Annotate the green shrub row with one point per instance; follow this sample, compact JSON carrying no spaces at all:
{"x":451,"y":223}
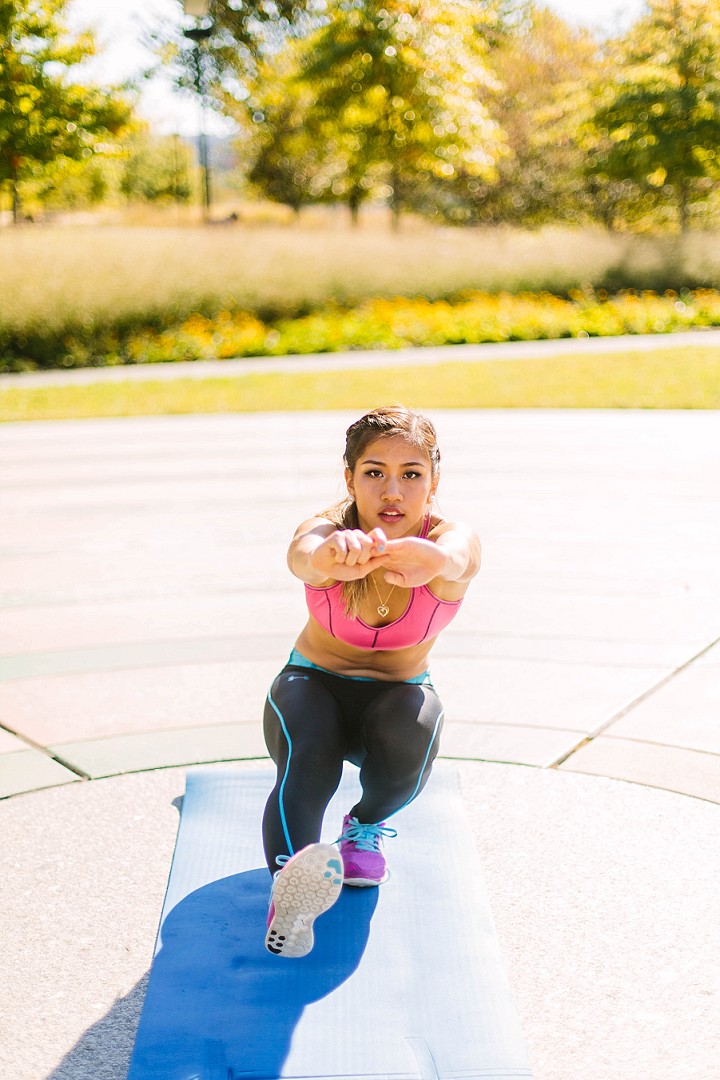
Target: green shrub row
{"x":395,"y":323}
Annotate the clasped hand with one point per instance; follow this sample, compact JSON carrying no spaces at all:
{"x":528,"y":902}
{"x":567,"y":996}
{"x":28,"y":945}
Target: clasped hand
{"x":349,"y":554}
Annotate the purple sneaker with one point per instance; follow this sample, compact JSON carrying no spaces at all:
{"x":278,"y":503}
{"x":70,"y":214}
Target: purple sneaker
{"x":308,"y":885}
{"x":361,"y":849}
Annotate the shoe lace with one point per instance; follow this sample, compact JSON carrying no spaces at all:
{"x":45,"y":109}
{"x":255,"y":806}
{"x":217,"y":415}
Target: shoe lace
{"x":280,"y":861}
{"x":366,"y":837}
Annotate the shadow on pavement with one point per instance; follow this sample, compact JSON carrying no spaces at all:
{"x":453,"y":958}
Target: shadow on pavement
{"x":217,"y":1003}
{"x":103,"y":1052}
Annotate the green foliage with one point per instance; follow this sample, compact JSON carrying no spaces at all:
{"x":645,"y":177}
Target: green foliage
{"x":233,"y":43}
{"x":280,"y":150}
{"x":73,"y":296}
{"x":399,"y":98}
{"x":549,"y":75}
{"x":492,"y":111}
{"x":403,"y":322}
{"x":156,"y":169}
{"x":67,"y":184}
{"x":381,"y":100}
{"x":395,"y":323}
{"x":44,"y":116}
{"x":658,"y":125}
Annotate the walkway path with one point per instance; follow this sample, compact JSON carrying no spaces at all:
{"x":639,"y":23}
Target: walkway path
{"x":146,"y":607}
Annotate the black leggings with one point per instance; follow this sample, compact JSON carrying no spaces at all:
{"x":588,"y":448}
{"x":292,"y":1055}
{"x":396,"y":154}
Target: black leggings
{"x":314,"y":721}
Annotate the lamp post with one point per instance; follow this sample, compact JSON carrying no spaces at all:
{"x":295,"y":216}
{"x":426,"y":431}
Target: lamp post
{"x":199,"y":9}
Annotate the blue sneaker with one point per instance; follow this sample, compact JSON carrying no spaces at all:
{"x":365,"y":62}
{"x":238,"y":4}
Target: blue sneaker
{"x":308,"y":885}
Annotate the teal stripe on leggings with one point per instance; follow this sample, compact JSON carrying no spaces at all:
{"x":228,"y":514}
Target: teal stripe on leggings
{"x":422,"y":769}
{"x":281,"y":793}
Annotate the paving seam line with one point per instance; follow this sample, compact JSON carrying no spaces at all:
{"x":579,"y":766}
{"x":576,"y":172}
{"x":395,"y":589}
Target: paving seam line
{"x":46,"y":752}
{"x":633,"y":704}
{"x":664,"y":745}
{"x":448,"y":757}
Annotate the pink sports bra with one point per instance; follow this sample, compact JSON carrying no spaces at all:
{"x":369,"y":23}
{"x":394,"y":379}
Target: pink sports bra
{"x":424,"y":617}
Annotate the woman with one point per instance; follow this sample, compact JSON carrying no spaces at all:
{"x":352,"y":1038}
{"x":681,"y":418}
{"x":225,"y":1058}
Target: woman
{"x":383,"y":574}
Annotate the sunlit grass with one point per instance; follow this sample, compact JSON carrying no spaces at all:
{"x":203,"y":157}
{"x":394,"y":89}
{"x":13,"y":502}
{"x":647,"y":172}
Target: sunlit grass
{"x":666,"y":379}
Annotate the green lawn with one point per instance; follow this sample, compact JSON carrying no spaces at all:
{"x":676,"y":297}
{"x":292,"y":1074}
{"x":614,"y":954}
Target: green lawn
{"x":666,"y":379}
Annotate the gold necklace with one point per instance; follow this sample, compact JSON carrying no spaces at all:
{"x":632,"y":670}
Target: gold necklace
{"x":383,"y":608}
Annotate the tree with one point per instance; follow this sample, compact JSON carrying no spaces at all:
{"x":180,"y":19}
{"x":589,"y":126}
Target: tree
{"x":69,"y":185}
{"x":658,"y":126}
{"x":399,"y":92}
{"x":44,"y":115}
{"x":240,"y":35}
{"x":274,"y":145}
{"x":549,"y":73}
{"x":157,"y":169}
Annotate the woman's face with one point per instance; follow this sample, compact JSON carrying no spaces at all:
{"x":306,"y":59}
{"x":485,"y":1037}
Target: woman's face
{"x":392,"y":485}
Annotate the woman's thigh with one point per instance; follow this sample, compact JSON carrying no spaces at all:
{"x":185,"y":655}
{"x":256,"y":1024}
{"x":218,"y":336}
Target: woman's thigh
{"x":302,"y":721}
{"x":403,"y":724}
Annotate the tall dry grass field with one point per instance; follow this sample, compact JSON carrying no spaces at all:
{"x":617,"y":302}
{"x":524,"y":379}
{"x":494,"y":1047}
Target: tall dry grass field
{"x":58,"y":278}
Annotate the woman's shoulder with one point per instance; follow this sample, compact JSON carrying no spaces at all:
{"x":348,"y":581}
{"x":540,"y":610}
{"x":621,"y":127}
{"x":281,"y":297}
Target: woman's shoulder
{"x":323,"y":526}
{"x":440,"y":525}
{"x":462,"y":537}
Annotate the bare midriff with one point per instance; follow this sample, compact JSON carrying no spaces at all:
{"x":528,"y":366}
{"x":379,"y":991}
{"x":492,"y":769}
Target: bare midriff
{"x":392,"y":665}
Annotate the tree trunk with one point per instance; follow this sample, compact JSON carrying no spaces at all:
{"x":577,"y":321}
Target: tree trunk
{"x":683,"y":207}
{"x":396,"y":209}
{"x":395,"y":201}
{"x":15,"y":195}
{"x":354,"y":206}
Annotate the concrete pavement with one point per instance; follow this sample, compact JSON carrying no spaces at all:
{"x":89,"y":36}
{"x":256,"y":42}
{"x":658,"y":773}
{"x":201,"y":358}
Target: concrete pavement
{"x":146,"y":607}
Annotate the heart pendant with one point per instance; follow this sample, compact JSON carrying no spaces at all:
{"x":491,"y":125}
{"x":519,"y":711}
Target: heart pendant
{"x":383,"y":610}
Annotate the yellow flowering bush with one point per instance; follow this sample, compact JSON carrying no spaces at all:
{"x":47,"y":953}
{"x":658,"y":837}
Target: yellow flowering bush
{"x":383,"y":323}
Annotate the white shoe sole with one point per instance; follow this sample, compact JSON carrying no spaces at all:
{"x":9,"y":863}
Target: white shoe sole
{"x":366,"y":882}
{"x":306,"y":887}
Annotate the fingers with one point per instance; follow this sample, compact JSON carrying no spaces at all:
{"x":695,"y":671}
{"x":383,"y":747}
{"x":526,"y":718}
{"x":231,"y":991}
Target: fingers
{"x":354,"y":544}
{"x":352,"y":547}
{"x":409,"y":562}
{"x":397,"y":551}
{"x":394,"y":578}
{"x":379,"y":541}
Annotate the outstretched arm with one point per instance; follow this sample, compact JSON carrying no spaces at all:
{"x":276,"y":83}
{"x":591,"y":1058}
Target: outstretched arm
{"x":320,"y":553}
{"x":452,"y":556}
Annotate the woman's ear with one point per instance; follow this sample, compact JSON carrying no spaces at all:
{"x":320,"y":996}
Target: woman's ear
{"x":349,"y":482}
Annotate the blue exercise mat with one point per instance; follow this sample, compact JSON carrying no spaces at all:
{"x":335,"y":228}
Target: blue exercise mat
{"x":406,"y":982}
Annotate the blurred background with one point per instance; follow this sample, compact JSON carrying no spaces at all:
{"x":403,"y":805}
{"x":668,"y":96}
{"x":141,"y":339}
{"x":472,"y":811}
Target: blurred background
{"x":222,"y":166}
{"x":495,"y":111}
